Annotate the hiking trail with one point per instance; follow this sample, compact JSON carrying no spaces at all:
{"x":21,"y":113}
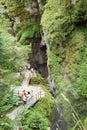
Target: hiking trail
{"x":36,"y":94}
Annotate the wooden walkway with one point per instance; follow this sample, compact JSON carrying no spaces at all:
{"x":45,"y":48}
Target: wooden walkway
{"x":36,"y":93}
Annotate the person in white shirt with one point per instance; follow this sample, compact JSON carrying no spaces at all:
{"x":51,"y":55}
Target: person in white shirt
{"x":28,"y":97}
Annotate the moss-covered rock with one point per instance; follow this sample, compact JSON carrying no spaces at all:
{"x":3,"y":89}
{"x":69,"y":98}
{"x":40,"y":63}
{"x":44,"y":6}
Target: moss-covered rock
{"x":29,"y":30}
{"x":67,"y":50}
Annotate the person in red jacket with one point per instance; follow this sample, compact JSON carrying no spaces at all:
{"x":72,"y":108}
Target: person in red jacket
{"x":24,"y":97}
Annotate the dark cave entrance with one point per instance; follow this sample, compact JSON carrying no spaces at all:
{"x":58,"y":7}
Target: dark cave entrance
{"x":39,"y":58}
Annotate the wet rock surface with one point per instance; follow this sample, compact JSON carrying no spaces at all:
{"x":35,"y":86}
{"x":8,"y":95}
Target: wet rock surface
{"x":58,"y":122}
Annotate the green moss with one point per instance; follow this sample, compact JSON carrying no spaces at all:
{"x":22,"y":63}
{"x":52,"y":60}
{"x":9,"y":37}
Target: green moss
{"x":85,"y":122}
{"x":56,"y":19}
{"x":38,"y":117}
{"x":67,"y":54}
{"x":80,"y":11}
{"x":29,"y":31}
{"x":67,"y":66}
{"x":17,"y":9}
{"x":38,"y":80}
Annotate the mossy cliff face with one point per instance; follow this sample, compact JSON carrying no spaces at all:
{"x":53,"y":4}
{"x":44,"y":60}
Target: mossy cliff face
{"x":65,"y":24}
{"x":22,"y":9}
{"x":24,"y":16}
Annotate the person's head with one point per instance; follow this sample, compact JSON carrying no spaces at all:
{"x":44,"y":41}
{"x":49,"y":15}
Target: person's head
{"x":28,"y":92}
{"x":24,"y":91}
{"x":26,"y":67}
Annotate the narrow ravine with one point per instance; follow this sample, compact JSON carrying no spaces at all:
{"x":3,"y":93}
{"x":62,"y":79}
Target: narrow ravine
{"x":51,"y":37}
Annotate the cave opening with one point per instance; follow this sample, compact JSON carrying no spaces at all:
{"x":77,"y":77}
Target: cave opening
{"x":39,"y":58}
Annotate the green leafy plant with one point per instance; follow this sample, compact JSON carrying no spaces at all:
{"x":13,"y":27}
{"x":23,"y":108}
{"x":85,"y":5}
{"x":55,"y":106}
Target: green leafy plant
{"x":29,"y":31}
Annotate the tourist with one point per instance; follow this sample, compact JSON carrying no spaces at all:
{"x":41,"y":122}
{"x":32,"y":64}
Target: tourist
{"x":33,"y":73}
{"x":24,"y":97}
{"x":28,"y":66}
{"x":28,"y":97}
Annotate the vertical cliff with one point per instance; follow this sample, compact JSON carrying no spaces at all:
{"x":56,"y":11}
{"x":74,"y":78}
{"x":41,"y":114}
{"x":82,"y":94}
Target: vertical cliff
{"x":65,"y":24}
{"x":57,"y":33}
{"x":24,"y":21}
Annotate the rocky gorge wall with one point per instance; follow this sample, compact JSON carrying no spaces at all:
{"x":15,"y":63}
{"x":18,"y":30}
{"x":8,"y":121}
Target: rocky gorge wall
{"x":57,"y":34}
{"x":24,"y":23}
{"x":65,"y":24}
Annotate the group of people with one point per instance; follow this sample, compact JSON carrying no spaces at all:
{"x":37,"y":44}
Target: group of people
{"x":28,"y":72}
{"x":25,"y":97}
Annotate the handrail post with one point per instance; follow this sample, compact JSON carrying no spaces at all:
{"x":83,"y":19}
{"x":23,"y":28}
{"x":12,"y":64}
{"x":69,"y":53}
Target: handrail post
{"x":39,"y":94}
{"x":36,"y":97}
{"x":31,"y":92}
